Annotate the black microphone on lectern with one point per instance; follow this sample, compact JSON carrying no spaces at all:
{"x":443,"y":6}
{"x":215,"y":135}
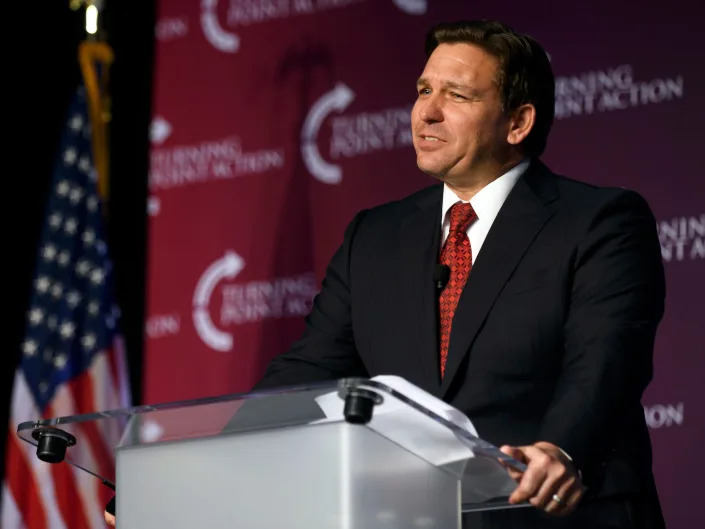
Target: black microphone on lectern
{"x":441,"y":274}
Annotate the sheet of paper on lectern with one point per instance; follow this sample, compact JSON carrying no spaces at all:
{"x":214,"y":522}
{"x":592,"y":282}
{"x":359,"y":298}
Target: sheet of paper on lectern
{"x":483,"y":478}
{"x":410,"y":428}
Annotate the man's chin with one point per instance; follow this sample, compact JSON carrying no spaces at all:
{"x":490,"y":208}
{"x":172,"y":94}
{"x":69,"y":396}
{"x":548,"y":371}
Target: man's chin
{"x":432,"y":170}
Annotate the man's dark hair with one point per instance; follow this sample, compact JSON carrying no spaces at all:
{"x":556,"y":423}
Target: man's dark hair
{"x":524,"y":74}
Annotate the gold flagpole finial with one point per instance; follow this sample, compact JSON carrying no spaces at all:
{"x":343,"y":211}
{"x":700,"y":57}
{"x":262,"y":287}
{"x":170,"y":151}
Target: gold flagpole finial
{"x":95,"y":58}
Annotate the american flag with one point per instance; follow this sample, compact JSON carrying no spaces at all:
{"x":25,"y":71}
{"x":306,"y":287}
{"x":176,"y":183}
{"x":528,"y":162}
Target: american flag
{"x":73,"y":359}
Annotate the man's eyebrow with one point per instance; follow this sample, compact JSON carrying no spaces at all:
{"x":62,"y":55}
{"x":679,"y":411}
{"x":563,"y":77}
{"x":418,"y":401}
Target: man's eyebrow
{"x":446,"y":84}
{"x":451,"y":85}
{"x":457,"y":86}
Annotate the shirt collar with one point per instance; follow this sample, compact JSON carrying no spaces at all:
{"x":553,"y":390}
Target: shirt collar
{"x":488,"y":201}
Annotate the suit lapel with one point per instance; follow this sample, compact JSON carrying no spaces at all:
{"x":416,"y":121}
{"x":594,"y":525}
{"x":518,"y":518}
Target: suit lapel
{"x":520,"y":219}
{"x":419,"y":240}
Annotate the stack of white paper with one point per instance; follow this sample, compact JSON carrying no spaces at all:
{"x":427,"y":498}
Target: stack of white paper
{"x":483,"y":478}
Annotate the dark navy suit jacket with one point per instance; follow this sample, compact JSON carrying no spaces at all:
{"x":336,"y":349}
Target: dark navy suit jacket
{"x":552,"y":339}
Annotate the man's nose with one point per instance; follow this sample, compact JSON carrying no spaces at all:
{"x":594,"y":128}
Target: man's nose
{"x":431,"y":110}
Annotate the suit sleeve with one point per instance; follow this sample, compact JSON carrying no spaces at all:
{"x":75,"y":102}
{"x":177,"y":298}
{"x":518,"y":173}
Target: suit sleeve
{"x":617,"y":301}
{"x":326,"y":350}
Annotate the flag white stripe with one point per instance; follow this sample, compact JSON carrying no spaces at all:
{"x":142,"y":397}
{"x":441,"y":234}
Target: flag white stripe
{"x":11,"y":518}
{"x":23,"y":409}
{"x":88,"y":489}
{"x":105,"y":398}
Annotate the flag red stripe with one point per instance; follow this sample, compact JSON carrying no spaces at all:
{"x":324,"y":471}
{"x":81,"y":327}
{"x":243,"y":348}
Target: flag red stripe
{"x":22,"y":486}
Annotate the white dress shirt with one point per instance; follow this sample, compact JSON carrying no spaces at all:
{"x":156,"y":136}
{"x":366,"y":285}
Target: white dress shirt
{"x":486,"y":203}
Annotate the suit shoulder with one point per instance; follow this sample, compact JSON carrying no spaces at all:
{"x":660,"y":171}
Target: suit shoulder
{"x":583,"y":195}
{"x":380,"y":218}
{"x":399,"y":207}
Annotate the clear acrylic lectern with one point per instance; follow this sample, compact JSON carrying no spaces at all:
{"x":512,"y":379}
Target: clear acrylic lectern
{"x":350,"y":454}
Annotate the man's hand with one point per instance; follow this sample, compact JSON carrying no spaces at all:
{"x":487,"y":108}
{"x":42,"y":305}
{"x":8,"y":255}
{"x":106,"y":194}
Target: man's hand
{"x":109,"y":513}
{"x":550,"y":482}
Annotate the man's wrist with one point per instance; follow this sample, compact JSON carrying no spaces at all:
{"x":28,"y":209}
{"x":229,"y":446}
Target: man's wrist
{"x":544,"y":445}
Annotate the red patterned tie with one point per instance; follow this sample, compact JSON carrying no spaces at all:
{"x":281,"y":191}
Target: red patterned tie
{"x":457,"y":254}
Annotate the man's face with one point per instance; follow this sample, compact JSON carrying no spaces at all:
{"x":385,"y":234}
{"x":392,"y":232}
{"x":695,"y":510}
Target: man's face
{"x":459,"y":129}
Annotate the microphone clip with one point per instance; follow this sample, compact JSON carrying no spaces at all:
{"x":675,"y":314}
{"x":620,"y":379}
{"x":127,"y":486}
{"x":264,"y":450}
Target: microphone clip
{"x":441,"y":275}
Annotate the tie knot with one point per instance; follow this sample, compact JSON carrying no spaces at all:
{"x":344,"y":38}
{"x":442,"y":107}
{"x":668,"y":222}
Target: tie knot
{"x":461,"y":215}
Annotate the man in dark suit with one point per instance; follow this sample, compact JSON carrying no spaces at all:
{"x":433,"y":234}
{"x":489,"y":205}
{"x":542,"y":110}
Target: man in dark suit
{"x":544,"y":332}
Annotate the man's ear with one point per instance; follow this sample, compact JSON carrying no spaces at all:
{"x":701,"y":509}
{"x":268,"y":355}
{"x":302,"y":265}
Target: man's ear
{"x":521,"y":122}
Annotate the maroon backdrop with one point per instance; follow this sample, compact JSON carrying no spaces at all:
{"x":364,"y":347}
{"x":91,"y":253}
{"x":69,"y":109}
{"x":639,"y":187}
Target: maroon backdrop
{"x":276,"y":120}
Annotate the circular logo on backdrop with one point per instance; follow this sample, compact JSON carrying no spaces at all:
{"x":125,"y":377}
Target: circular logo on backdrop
{"x":249,"y":12}
{"x":336,"y":100}
{"x":369,"y":131}
{"x":246,"y":303}
{"x":220,"y":39}
{"x":226,"y":267}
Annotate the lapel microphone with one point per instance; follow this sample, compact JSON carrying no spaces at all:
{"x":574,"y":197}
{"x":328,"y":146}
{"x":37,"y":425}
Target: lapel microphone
{"x":441,"y":274}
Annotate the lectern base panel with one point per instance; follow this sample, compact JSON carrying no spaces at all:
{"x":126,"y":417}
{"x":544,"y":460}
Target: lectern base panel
{"x":326,"y":476}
